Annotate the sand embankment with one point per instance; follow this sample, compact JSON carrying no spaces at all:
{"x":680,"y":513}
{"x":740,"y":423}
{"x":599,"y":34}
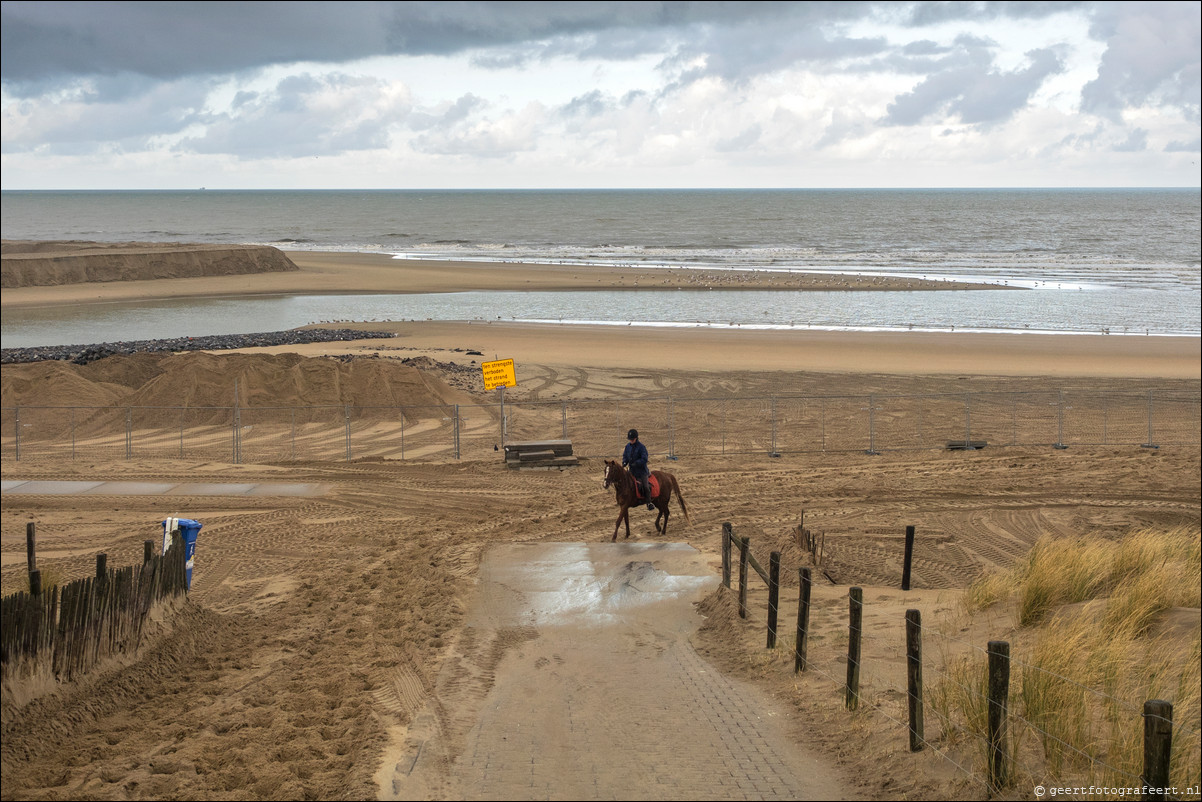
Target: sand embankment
{"x":27,"y":263}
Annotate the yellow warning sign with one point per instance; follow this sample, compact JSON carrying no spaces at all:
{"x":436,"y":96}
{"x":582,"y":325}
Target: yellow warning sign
{"x":499,"y":374}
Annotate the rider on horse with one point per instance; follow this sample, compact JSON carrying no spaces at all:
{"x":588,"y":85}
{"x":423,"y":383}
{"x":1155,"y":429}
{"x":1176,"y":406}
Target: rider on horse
{"x":635,"y":457}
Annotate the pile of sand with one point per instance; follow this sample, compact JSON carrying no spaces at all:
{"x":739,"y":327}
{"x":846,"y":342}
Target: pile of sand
{"x":201,"y":379}
{"x":36,"y":263}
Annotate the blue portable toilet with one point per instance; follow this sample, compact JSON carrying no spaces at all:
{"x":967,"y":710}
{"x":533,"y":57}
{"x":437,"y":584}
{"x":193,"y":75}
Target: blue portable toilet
{"x":188,"y":530}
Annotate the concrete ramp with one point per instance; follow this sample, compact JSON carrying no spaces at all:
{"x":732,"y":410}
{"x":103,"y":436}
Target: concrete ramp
{"x":64,"y":488}
{"x":575,"y":678}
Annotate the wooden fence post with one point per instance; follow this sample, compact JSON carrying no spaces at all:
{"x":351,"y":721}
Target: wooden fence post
{"x":909,"y":556}
{"x":35,"y":583}
{"x":1158,"y":742}
{"x":147,"y":551}
{"x":726,"y":533}
{"x":744,"y":548}
{"x":102,"y":561}
{"x":31,"y":546}
{"x":773,"y":595}
{"x":856,"y":617}
{"x":803,"y":619}
{"x":999,"y":702}
{"x":914,"y":676}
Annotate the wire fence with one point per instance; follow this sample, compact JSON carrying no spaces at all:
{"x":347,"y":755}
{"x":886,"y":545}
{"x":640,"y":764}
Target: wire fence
{"x":672,"y":427}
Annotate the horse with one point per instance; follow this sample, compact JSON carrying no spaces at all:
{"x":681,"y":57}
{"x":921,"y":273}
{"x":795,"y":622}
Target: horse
{"x":626,"y":491}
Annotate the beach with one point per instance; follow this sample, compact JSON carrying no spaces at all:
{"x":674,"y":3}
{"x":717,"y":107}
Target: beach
{"x":333,"y":645}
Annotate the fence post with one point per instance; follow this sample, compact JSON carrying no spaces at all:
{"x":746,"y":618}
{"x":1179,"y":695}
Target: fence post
{"x":909,"y":556}
{"x":871,"y":426}
{"x":999,"y":702}
{"x":147,"y":551}
{"x":129,"y":432}
{"x":855,"y":598}
{"x":773,"y":595}
{"x":914,"y":677}
{"x":803,"y":619}
{"x":563,"y":416}
{"x":775,"y":452}
{"x":35,"y":583}
{"x":1060,"y":420}
{"x":31,"y":546}
{"x":1151,"y":443}
{"x":726,"y":533}
{"x":671,"y":429}
{"x":967,"y":421}
{"x":1158,"y":742}
{"x":744,"y":548}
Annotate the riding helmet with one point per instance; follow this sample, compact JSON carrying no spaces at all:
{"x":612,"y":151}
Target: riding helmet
{"x":632,"y":434}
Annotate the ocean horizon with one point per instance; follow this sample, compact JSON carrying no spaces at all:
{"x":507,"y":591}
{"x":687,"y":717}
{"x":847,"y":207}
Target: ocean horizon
{"x":1095,"y":259}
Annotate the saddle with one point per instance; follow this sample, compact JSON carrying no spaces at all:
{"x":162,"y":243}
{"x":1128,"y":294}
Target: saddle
{"x":653,"y":483}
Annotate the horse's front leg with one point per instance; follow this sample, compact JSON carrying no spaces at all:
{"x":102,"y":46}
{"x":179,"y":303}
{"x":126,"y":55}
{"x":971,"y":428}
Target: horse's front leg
{"x":623,"y":513}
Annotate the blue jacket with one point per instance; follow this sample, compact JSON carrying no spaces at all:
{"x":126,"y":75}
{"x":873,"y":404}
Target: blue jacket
{"x":635,"y":456}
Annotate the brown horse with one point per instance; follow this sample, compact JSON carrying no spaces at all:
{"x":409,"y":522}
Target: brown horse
{"x":626,"y":489}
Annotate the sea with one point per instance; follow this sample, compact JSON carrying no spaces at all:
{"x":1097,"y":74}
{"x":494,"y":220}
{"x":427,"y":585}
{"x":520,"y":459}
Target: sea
{"x":1105,"y":262}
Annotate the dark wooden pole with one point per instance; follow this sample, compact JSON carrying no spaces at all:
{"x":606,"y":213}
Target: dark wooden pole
{"x":909,"y":556}
{"x":31,"y":546}
{"x":744,"y":547}
{"x":999,"y":702}
{"x":147,"y":551}
{"x":1158,"y":742}
{"x":803,"y":619}
{"x":856,"y":618}
{"x":102,"y":561}
{"x":35,"y":582}
{"x":773,"y":595}
{"x":914,"y":676}
{"x":726,"y":533}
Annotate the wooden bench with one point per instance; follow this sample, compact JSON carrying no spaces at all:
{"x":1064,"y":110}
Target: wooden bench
{"x":540,"y":455}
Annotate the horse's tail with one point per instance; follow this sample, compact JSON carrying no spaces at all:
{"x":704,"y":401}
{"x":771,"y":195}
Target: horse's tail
{"x":680,"y":500}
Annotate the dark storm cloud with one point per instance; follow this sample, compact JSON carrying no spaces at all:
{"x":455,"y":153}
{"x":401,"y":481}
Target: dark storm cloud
{"x":47,"y":40}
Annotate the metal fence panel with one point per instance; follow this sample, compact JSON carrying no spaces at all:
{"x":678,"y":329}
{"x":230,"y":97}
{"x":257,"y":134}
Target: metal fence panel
{"x":912,"y":422}
{"x":597,"y":428}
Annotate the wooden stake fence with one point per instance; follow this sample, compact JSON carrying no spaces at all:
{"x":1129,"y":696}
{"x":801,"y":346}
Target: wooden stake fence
{"x":68,"y":630}
{"x":1157,"y":714}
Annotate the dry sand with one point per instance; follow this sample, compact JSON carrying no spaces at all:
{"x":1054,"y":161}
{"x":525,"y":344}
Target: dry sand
{"x":323,"y":634}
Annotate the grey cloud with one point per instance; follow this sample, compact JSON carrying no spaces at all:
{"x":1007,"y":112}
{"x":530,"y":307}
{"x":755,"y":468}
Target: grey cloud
{"x":1136,"y":141}
{"x":976,"y":93}
{"x":1152,"y":56}
{"x":42,"y":40}
{"x":923,"y":14}
{"x":589,"y":104}
{"x":741,"y":141}
{"x":295,"y":120}
{"x":88,"y":125}
{"x":1176,"y":146}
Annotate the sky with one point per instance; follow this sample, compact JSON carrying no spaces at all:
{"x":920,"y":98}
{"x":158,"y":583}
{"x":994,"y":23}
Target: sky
{"x":367,"y":95}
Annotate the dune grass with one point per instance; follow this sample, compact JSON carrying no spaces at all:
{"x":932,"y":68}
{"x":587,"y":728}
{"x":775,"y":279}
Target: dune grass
{"x":1101,"y":626}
